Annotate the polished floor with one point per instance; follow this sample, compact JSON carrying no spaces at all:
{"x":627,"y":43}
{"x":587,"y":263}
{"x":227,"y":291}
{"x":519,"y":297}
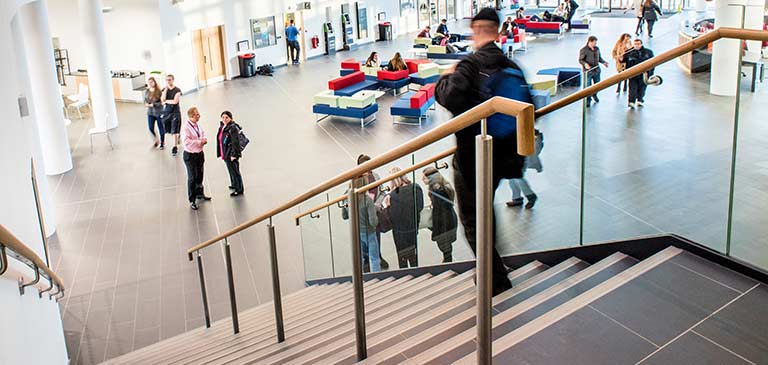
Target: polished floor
{"x":124,"y":225}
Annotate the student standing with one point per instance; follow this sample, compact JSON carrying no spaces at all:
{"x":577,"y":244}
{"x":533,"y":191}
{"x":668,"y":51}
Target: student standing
{"x":194,"y":140}
{"x":590,"y":58}
{"x":651,"y":14}
{"x":405,"y":202}
{"x":172,"y":111}
{"x":292,"y":36}
{"x":228,"y":149}
{"x":622,"y":46}
{"x":369,"y":222}
{"x":152,"y":95}
{"x":572,"y":6}
{"x":459,"y":90}
{"x":444,"y":219}
{"x":637,"y":86}
{"x":637,"y":6}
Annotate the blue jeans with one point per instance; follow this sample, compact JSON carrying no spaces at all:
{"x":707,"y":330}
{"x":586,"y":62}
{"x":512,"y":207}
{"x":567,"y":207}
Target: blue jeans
{"x":151,"y":121}
{"x":520,"y":188}
{"x":371,"y":245}
{"x":591,"y":79}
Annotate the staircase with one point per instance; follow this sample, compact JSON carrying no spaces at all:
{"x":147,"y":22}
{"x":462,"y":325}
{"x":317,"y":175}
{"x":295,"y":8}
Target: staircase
{"x":618,"y":310}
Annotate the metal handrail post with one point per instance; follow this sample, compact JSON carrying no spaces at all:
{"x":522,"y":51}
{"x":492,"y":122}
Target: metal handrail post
{"x":206,"y":311}
{"x":357,"y":272}
{"x":3,"y":260}
{"x":49,"y":288}
{"x":277,"y":299}
{"x":231,"y":282}
{"x":34,"y":281}
{"x":484,"y":212}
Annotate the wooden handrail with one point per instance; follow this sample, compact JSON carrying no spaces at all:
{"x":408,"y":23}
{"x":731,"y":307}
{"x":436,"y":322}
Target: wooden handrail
{"x":523,"y":112}
{"x":525,"y":123}
{"x":379,"y":182}
{"x":10,"y":241}
{"x":743,"y":34}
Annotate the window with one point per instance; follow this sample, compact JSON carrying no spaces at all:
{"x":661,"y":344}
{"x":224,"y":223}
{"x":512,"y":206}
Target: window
{"x":263,"y":30}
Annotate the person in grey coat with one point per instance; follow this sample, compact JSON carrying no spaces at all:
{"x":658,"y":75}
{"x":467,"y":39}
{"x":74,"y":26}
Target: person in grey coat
{"x":590,"y":60}
{"x":444,"y":219}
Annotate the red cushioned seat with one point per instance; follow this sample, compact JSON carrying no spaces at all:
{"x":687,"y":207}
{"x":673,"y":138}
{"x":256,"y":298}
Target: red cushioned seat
{"x":429,"y":89}
{"x":517,"y":38}
{"x":392,"y":75}
{"x":543,"y":25}
{"x":350,"y":64}
{"x":344,"y":81}
{"x":418,"y":99}
{"x":413,"y":65}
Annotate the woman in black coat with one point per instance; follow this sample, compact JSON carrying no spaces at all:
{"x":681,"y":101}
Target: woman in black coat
{"x":651,"y":14}
{"x":444,"y":219}
{"x":405,"y":202}
{"x":228,"y":149}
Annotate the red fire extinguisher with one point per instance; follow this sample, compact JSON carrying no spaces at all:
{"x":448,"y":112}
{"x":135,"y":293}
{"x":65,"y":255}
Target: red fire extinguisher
{"x":315,"y":41}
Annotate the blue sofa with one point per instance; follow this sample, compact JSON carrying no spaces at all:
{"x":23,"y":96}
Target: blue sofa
{"x":402,"y":108}
{"x":415,"y":79}
{"x":566,"y":76}
{"x":367,"y":84}
{"x":364,"y":114}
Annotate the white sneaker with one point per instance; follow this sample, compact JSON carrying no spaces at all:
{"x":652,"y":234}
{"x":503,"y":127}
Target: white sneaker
{"x":639,"y":103}
{"x":632,"y":105}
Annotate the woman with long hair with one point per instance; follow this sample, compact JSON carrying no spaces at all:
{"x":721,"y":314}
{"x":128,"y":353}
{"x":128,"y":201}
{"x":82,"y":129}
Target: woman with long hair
{"x":396,"y":63}
{"x":154,"y":106}
{"x":651,"y":13}
{"x":444,"y":219}
{"x":228,"y":149}
{"x":373,"y":60}
{"x":622,"y":46}
{"x":405,"y":202}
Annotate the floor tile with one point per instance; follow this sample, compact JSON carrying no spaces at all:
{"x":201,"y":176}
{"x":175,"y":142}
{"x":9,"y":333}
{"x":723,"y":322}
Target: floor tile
{"x":693,"y":349}
{"x":742,"y":327}
{"x":715,"y":272}
{"x":584,"y":337}
{"x":664,"y":302}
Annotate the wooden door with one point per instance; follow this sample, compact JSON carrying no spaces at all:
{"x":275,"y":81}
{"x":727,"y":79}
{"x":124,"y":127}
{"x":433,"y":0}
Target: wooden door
{"x":209,"y":55}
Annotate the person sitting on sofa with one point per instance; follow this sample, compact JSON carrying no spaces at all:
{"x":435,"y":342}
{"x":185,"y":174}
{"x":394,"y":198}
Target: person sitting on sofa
{"x":373,"y":60}
{"x":424,"y":33}
{"x":520,"y":13}
{"x":397,"y":63}
{"x":508,"y":27}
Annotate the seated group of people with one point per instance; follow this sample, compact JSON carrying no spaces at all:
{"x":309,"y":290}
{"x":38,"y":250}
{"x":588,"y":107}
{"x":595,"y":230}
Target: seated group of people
{"x":563,"y":14}
{"x":395,"y":64}
{"x":442,"y":37}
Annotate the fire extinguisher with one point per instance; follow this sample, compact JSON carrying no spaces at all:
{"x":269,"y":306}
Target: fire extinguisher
{"x":315,"y":41}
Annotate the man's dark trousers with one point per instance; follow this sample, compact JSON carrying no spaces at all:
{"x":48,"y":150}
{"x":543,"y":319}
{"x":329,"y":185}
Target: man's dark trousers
{"x":194,"y":163}
{"x":636,"y":89}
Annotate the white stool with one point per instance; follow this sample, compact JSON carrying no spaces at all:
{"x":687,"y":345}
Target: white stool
{"x":94,"y":131}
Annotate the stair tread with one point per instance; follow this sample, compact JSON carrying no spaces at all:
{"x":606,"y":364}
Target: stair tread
{"x":412,"y":343}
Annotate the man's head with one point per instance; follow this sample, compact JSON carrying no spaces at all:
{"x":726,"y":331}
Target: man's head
{"x":443,"y":21}
{"x":291,"y":21}
{"x":169,"y":80}
{"x":485,"y":26}
{"x":592,"y":41}
{"x":427,"y":28}
{"x":638,"y":43}
{"x":193,"y":114}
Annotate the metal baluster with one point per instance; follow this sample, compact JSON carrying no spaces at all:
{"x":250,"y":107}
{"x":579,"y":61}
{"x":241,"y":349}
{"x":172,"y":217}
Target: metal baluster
{"x":277,"y":299}
{"x":357,"y":273}
{"x":484,"y":211}
{"x":40,"y":293}
{"x":58,"y":291}
{"x":34,"y":281}
{"x":231,"y":281}
{"x":3,"y":260}
{"x":200,"y":273}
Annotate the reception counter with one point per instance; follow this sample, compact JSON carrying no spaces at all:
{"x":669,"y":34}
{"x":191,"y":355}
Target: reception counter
{"x":127,"y":86}
{"x":700,"y":59}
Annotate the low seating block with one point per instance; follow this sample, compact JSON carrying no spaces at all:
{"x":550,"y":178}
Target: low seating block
{"x":447,"y":56}
{"x":437,"y":49}
{"x":392,"y":75}
{"x":366,"y":84}
{"x":444,"y":68}
{"x":350,"y":64}
{"x":326,"y":98}
{"x":413,"y":65}
{"x":429,"y":89}
{"x":359,"y":100}
{"x":422,"y":41}
{"x":370,"y":71}
{"x":418,"y":99}
{"x":345,"y":71}
{"x":402,"y":107}
{"x":544,"y":82}
{"x":418,"y":80}
{"x":395,"y":84}
{"x":345,"y":81}
{"x":566,"y":76}
{"x":540,"y":98}
{"x":428,"y":69}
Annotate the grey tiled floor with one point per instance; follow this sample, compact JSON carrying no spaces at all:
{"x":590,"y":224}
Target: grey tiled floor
{"x":124,"y":225}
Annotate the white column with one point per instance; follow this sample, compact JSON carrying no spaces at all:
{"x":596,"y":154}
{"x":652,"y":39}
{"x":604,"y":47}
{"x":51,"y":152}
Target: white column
{"x":700,"y":5}
{"x":725,"y":52}
{"x":99,"y":80}
{"x":48,"y":108}
{"x":30,"y":126}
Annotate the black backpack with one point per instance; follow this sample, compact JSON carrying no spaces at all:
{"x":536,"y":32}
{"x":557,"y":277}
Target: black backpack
{"x":265,"y":70}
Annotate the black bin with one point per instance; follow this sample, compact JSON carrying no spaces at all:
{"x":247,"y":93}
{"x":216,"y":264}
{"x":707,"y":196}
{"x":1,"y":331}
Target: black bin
{"x":247,"y":63}
{"x":385,"y":31}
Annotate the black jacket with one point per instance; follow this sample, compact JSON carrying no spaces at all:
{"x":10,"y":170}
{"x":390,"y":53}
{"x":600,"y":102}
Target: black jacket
{"x":444,"y":219}
{"x":442,"y":29}
{"x":637,"y":56}
{"x":590,"y":59}
{"x":461,"y":91}
{"x":228,"y":138}
{"x":651,"y":13}
{"x":405,"y":205}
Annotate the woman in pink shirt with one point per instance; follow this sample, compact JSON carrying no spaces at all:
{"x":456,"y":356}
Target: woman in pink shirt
{"x":193,"y":139}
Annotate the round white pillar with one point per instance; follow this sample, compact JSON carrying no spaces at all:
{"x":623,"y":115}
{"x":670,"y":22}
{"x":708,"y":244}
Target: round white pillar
{"x":725,"y":52}
{"x":48,"y":106}
{"x":99,"y":78}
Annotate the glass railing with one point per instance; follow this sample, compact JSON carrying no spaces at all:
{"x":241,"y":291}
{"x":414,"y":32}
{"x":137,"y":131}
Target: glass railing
{"x":607,"y":172}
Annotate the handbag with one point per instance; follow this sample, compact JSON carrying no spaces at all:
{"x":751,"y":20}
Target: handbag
{"x":425,"y":218}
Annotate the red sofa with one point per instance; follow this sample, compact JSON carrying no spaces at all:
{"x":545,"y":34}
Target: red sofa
{"x":392,"y":75}
{"x":418,"y":99}
{"x":429,"y":89}
{"x":350,"y":64}
{"x":413,"y":65}
{"x":344,"y":81}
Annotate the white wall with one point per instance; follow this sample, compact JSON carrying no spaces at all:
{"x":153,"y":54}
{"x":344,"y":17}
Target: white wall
{"x":132,"y":28}
{"x":32,"y":330}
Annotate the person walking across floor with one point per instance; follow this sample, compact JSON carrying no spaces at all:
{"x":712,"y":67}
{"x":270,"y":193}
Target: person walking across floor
{"x":637,"y":7}
{"x":651,"y":12}
{"x":622,"y":46}
{"x":405,"y":202}
{"x":170,"y":97}
{"x":228,"y":149}
{"x":152,"y":95}
{"x":193,"y":141}
{"x":572,"y":6}
{"x":292,"y":37}
{"x":590,"y":60}
{"x":444,"y":219}
{"x":485,"y":73}
{"x":637,"y":55}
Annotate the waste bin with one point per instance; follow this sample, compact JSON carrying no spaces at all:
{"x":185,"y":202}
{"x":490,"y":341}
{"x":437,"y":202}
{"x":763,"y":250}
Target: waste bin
{"x":385,"y":31}
{"x":247,"y":63}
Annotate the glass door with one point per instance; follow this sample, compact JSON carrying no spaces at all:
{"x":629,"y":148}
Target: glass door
{"x":451,"y":6}
{"x":423,"y":13}
{"x":442,"y":7}
{"x":433,"y":16}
